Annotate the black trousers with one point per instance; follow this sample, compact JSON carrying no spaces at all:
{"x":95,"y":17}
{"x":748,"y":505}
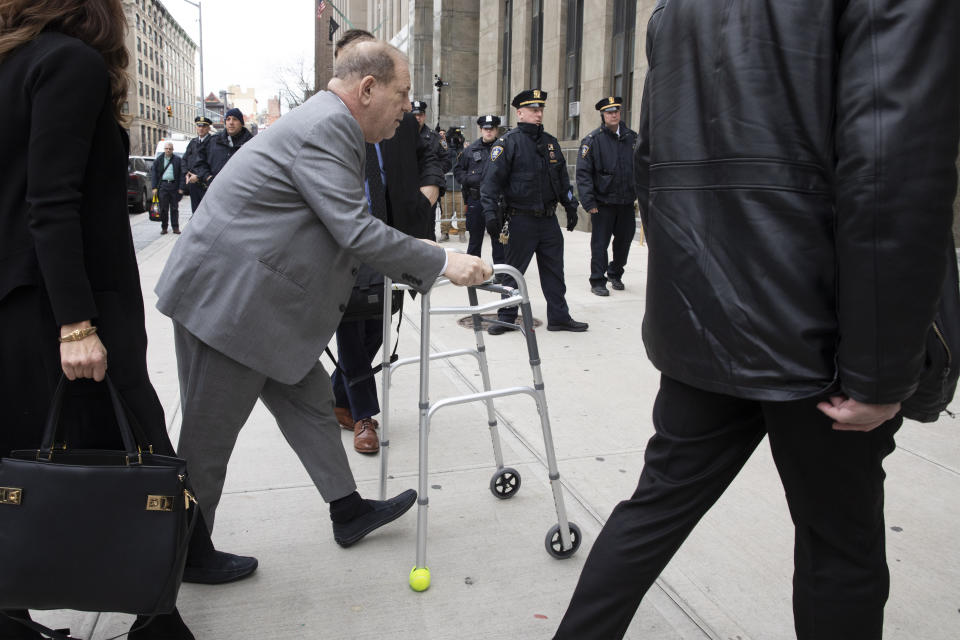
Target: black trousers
{"x":196,"y":195}
{"x":529,"y":236}
{"x":169,"y":204}
{"x":611,"y":220}
{"x":476,"y":226}
{"x":358,"y":342}
{"x":834,"y":488}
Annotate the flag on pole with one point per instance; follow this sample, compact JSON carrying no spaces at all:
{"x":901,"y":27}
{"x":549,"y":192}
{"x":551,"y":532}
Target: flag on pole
{"x":320,"y":7}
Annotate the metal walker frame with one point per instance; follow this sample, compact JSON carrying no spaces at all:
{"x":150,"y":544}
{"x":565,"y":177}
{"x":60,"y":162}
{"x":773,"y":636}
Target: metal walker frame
{"x":563,"y":539}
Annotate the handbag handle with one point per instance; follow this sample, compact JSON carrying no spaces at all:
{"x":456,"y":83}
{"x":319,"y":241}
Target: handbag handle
{"x":133,"y":438}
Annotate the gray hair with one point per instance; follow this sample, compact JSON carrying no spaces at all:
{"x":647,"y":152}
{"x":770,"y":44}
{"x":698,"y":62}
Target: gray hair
{"x":368,"y":58}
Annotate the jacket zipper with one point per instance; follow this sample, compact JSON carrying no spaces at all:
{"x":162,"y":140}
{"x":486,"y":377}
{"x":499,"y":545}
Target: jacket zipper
{"x":946,"y":347}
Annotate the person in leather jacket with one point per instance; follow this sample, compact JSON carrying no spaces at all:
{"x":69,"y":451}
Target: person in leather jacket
{"x":606,"y":190}
{"x":796,"y":174}
{"x":469,"y":173}
{"x":527,"y":169}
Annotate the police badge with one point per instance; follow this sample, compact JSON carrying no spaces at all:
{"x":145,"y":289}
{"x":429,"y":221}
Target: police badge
{"x":495,"y":153}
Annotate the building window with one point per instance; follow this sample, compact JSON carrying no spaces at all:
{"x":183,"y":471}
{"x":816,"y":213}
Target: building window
{"x":141,"y":109}
{"x":624,"y":28}
{"x":574,"y":48}
{"x":141,"y":88}
{"x":507,"y":61}
{"x":138,"y":45}
{"x":143,"y":138}
{"x":536,"y":43}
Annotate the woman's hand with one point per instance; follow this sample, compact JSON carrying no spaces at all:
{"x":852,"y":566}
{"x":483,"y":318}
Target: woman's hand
{"x":86,"y":358}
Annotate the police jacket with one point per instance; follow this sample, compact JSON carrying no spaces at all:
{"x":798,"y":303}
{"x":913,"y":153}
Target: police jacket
{"x":217,"y":151}
{"x":797,"y":193}
{"x":191,"y":157}
{"x":528,"y":169}
{"x":605,"y":167}
{"x":431,"y":140}
{"x":469,"y":168}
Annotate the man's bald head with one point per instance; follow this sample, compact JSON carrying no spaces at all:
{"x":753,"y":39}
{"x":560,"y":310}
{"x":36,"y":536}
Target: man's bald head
{"x":350,"y":37}
{"x":368,"y":58}
{"x":373,"y":81}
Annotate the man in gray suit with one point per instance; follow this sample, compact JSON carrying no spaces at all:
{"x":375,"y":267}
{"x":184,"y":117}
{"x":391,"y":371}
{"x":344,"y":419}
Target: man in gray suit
{"x":258,"y":282}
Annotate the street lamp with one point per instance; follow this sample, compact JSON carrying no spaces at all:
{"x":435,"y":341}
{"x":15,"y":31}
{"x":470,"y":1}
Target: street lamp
{"x":203,"y":95}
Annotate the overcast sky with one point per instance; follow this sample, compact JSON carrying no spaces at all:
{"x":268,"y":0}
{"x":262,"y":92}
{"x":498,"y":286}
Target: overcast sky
{"x":246,"y":42}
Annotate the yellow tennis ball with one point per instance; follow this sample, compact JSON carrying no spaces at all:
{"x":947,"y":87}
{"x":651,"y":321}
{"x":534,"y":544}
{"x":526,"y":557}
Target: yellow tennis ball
{"x":420,"y":579}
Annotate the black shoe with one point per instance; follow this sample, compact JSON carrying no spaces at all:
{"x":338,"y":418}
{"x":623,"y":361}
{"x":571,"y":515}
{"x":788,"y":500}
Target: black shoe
{"x":219,"y":568}
{"x":497,"y":329}
{"x":616,"y":283}
{"x":568,"y":325}
{"x":163,"y":231}
{"x":348,"y":533}
{"x":600,"y":290}
{"x":168,"y":626}
{"x":10,"y":629}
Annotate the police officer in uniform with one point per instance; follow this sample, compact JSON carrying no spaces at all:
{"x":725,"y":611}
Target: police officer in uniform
{"x":528,"y":170}
{"x":430,"y":139}
{"x":469,"y":173}
{"x":191,"y":157}
{"x":606,"y":188}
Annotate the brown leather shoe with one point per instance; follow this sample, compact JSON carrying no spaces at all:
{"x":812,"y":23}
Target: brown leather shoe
{"x":344,"y":417}
{"x":365,"y":438}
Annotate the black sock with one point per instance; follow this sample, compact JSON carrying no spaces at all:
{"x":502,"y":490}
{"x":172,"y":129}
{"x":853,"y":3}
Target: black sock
{"x":349,"y":507}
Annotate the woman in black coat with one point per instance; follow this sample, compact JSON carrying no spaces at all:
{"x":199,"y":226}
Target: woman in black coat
{"x":67,"y":264}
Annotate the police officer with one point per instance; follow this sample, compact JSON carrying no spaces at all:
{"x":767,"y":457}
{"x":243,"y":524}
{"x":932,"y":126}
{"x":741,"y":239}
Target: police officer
{"x":191,"y":157}
{"x":469,"y":173}
{"x":527,"y":168}
{"x":431,"y":139}
{"x":606,"y":188}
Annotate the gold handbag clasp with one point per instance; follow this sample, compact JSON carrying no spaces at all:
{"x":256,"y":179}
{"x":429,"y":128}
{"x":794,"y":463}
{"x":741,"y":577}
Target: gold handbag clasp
{"x":159,"y":503}
{"x":10,"y":495}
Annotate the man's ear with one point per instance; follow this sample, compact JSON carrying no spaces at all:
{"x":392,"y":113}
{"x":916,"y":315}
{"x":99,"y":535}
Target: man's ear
{"x":365,"y":89}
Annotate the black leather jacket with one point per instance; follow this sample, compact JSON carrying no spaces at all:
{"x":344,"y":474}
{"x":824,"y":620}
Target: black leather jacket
{"x":605,"y":167}
{"x":795,"y":170}
{"x":527,"y":167}
{"x":191,"y":157}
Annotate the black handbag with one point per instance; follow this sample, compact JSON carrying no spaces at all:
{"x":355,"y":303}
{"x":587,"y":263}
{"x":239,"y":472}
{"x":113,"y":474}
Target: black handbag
{"x":93,"y":530}
{"x":366,"y":298}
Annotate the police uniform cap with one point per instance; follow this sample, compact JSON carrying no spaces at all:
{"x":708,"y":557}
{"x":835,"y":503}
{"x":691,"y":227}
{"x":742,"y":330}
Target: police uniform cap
{"x":530,"y":98}
{"x":203,"y":120}
{"x":610,"y":103}
{"x":418,"y":106}
{"x":488,"y":122}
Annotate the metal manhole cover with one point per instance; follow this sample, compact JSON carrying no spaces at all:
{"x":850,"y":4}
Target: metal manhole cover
{"x":485,"y":321}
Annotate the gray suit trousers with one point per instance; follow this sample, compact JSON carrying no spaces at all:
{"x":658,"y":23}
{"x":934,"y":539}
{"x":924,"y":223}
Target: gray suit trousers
{"x":217,"y":395}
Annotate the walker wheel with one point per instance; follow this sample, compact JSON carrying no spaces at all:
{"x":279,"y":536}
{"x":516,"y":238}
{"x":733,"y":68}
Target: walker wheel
{"x":505,"y":483}
{"x":554,"y":544}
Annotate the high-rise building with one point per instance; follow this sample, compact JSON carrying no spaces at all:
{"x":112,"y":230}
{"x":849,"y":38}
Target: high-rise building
{"x":161,"y":98}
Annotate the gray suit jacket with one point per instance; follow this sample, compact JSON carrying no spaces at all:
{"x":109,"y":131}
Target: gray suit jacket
{"x":265,"y":268}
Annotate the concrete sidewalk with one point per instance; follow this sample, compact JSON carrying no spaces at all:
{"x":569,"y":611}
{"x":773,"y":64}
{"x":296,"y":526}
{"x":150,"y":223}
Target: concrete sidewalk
{"x":492,"y":577}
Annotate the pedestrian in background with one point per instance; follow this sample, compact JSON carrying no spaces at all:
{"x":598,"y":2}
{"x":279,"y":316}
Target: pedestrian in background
{"x":70,"y":287}
{"x":795,"y":167}
{"x":606,"y":190}
{"x":528,"y":170}
{"x":469,"y":172}
{"x":219,"y":149}
{"x":191,"y":159}
{"x":166,"y":175}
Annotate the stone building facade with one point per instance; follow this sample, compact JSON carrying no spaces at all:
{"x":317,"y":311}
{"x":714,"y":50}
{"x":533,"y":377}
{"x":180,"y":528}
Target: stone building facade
{"x":161,"y":75}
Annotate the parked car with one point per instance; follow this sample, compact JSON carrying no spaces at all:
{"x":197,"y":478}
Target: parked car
{"x":138,"y":184}
{"x":148,"y":161}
